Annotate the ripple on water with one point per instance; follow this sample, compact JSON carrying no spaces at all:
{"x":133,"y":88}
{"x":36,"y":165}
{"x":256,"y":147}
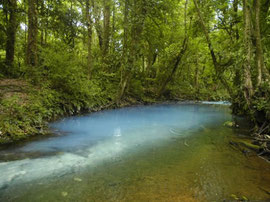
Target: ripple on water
{"x":155,"y":153}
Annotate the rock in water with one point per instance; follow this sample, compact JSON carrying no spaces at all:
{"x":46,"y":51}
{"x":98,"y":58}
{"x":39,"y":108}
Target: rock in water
{"x":77,"y":179}
{"x":230,"y":124}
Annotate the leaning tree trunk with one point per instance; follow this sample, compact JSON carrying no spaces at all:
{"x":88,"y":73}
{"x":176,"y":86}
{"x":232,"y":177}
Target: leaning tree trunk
{"x":31,"y":57}
{"x":178,"y":58}
{"x":218,"y":71}
{"x":11,"y":33}
{"x":175,"y":66}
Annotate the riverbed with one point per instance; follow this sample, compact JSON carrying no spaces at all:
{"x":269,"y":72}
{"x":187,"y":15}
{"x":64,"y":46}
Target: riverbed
{"x":163,"y":152}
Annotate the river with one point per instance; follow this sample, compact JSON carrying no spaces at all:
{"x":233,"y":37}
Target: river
{"x":163,"y":152}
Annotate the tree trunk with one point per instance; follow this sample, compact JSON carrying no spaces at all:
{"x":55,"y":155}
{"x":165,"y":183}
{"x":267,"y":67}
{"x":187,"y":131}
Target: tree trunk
{"x":125,"y":68}
{"x":42,"y":23}
{"x":237,"y":77}
{"x":178,"y":58}
{"x":212,"y":53}
{"x":218,"y":71}
{"x":261,"y":69}
{"x":89,"y":38}
{"x":176,"y":64}
{"x":131,"y":47}
{"x":106,"y":27}
{"x":235,"y":18}
{"x":11,"y":33}
{"x":113,"y":28}
{"x":150,"y":55}
{"x":96,"y":14}
{"x":248,"y":87}
{"x":31,"y":57}
{"x":196,"y":76}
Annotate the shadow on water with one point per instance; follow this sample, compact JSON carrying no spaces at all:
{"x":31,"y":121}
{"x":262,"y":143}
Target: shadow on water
{"x":172,"y":152}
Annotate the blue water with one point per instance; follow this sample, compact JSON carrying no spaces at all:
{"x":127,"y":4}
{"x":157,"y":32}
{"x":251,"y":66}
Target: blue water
{"x":119,"y":138}
{"x":89,"y":139}
{"x":124,"y":124}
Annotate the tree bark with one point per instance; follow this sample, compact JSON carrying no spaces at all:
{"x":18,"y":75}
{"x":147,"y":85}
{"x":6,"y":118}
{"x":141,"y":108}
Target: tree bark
{"x":248,"y":86}
{"x":206,"y":34}
{"x":178,"y":58}
{"x":235,"y":18}
{"x":11,"y":33}
{"x":42,"y":27}
{"x":218,"y":70}
{"x":125,"y":73}
{"x":237,"y":77}
{"x":31,"y":57}
{"x":196,"y":75}
{"x":150,"y":56}
{"x":262,"y":72}
{"x":89,"y":37}
{"x":113,"y":29}
{"x":106,"y":27}
{"x":176,"y":64}
{"x":97,"y":24}
{"x":134,"y":15}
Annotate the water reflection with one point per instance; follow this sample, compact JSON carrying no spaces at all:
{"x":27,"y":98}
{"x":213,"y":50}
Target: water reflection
{"x":173,"y":147}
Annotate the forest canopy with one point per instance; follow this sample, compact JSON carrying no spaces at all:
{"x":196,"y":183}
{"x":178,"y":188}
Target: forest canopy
{"x":82,"y":53}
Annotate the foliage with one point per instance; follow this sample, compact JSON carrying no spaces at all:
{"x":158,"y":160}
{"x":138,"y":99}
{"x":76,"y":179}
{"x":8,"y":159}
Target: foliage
{"x":19,"y":120}
{"x":96,"y":53}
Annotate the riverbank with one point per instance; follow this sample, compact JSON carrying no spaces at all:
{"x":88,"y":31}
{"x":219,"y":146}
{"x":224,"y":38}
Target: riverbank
{"x":164,"y":152}
{"x":27,"y":108}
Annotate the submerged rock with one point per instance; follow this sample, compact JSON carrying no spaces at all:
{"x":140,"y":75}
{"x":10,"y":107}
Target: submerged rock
{"x":3,"y":186}
{"x":231,"y":124}
{"x":77,"y":179}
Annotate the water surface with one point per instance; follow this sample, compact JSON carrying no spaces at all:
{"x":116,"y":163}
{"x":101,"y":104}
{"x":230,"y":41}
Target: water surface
{"x":169,"y":152}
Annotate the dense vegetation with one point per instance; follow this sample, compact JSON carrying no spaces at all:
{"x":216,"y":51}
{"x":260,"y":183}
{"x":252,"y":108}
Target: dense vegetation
{"x":62,"y":57}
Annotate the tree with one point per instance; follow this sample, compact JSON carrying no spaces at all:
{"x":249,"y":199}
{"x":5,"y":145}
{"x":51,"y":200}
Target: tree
{"x":143,"y":48}
{"x":98,"y":27}
{"x":89,"y":36}
{"x":178,"y":57}
{"x":248,"y":86}
{"x":106,"y":26}
{"x":217,"y":65}
{"x":31,"y":55}
{"x":262,"y":72}
{"x":11,"y":33}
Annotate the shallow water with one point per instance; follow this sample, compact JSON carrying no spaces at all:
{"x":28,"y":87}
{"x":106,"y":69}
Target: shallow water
{"x":170,"y":152}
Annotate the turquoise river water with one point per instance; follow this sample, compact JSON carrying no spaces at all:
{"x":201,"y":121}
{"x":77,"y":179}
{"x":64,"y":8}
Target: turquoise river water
{"x":163,"y":152}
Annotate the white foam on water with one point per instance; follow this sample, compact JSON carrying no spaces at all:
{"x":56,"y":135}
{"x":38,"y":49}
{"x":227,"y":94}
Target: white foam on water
{"x":216,"y":102}
{"x":30,"y":169}
{"x":95,"y":138}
